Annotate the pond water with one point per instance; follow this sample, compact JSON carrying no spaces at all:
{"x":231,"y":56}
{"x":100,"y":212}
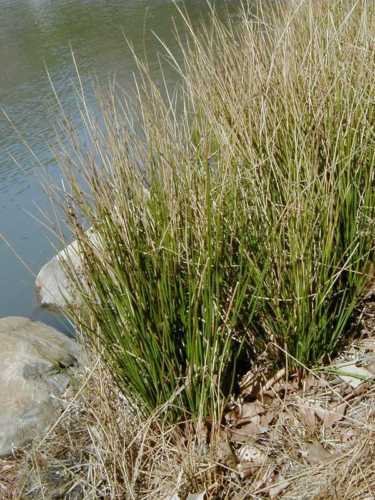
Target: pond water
{"x":40,"y":34}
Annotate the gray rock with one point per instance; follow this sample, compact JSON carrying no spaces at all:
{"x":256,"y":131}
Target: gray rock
{"x":54,"y":287}
{"x":35,"y":369}
{"x":53,"y":284}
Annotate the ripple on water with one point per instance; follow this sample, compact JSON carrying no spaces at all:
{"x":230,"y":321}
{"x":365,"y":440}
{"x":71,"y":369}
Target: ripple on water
{"x":35,"y":34}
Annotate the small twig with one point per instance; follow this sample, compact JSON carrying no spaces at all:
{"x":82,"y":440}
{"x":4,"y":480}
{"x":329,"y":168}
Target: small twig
{"x":272,"y":381}
{"x":358,"y":391}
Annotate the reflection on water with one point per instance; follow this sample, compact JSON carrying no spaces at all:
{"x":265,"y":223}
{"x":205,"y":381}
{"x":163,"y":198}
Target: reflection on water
{"x":35,"y":34}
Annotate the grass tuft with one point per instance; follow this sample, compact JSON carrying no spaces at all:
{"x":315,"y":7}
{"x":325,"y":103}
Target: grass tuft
{"x":237,"y":215}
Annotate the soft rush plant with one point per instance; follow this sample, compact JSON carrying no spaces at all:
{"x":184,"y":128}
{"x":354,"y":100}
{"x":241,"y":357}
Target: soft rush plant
{"x":245,"y":219}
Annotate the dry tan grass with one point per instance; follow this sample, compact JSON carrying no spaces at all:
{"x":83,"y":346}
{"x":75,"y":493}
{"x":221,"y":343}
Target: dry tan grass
{"x":9,"y":468}
{"x":102,"y":449}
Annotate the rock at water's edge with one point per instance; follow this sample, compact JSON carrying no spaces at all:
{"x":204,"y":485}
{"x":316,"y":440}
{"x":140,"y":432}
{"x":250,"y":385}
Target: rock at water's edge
{"x":53,"y":285}
{"x":35,"y":363}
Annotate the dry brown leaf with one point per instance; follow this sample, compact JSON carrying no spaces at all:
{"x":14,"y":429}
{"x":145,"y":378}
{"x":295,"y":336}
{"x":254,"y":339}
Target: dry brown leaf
{"x":251,"y":410}
{"x":267,"y":418}
{"x":308,"y":416}
{"x":223,"y":451}
{"x":281,"y":387}
{"x":279,"y":487}
{"x":268,"y":477}
{"x":257,"y":424}
{"x":367,"y":344}
{"x":232,"y":416}
{"x":309,"y":382}
{"x":246,"y":470}
{"x":315,"y":454}
{"x":270,"y":383}
{"x":247,"y":432}
{"x":329,"y":417}
{"x":247,"y":412}
{"x":354,"y":393}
